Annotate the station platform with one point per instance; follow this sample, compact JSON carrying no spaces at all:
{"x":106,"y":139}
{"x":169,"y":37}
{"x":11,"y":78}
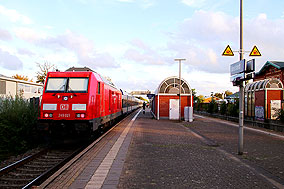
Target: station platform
{"x":142,"y":152}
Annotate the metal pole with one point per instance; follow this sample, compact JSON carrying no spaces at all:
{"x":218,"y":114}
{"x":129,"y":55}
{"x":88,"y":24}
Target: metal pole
{"x":179,"y":59}
{"x":241,"y":92}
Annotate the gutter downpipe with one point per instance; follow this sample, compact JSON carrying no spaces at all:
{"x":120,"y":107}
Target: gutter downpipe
{"x":158,"y":108}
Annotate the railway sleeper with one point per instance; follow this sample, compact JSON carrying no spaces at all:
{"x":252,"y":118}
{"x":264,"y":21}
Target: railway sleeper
{"x":29,"y":171}
{"x":45,"y":162}
{"x":9,"y":186}
{"x":38,"y":167}
{"x":18,"y":181}
{"x":23,"y":175}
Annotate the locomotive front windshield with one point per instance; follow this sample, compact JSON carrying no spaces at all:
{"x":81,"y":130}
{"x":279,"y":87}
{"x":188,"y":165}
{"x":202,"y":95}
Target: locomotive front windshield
{"x":68,"y":85}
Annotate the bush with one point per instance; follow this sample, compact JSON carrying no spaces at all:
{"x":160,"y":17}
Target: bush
{"x":280,"y":115}
{"x":223,"y":108}
{"x":212,"y":107}
{"x":233,"y":109}
{"x":18,"y":119}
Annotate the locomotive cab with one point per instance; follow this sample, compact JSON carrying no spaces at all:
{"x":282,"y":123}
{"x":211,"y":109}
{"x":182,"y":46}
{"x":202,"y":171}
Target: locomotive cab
{"x":78,"y":101}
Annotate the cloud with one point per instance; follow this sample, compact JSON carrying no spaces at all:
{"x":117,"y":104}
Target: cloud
{"x":201,"y":39}
{"x":9,"y":61}
{"x":5,"y":35}
{"x":23,"y":51}
{"x":15,"y":16}
{"x":28,"y":34}
{"x":194,"y":3}
{"x":83,"y":48}
{"x":141,"y":53}
{"x":142,"y":3}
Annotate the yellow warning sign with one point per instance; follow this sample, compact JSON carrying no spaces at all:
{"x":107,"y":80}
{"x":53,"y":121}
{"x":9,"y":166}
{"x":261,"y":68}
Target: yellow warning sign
{"x":228,"y":51}
{"x":255,"y":52}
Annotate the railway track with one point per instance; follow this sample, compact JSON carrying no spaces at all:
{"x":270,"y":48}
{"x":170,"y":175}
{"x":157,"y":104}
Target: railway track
{"x":35,"y":168}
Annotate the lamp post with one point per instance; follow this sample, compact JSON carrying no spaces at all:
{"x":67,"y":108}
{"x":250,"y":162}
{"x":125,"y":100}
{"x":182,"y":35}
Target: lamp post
{"x":180,"y":59}
{"x":241,"y":97}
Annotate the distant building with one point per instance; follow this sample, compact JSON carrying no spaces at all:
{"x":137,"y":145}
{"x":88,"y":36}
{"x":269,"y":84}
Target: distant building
{"x":145,"y":92}
{"x":271,"y":69}
{"x":209,"y":99}
{"x":12,"y":87}
{"x":233,"y":97}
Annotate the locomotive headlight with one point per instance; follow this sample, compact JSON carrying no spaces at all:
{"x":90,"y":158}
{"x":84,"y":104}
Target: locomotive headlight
{"x":48,"y":115}
{"x":80,"y":115}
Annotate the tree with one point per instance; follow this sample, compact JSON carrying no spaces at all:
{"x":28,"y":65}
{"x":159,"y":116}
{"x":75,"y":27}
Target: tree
{"x":228,"y":93}
{"x":44,"y":68}
{"x":22,"y":77}
{"x":219,"y":95}
{"x":200,"y":99}
{"x":195,"y":98}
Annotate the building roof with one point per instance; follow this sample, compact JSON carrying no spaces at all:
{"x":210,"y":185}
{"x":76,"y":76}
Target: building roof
{"x":5,"y":78}
{"x":235,"y":95}
{"x":170,"y":85}
{"x":276,"y":64}
{"x":209,"y":99}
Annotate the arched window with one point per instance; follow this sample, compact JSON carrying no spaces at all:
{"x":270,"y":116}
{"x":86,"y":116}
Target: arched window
{"x":171,"y":86}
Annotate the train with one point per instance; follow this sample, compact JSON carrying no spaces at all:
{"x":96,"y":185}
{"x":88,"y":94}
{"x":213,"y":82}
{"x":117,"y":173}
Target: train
{"x":82,"y":101}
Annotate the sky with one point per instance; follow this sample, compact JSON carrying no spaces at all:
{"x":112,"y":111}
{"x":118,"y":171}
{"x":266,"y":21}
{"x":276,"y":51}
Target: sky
{"x":135,"y":42}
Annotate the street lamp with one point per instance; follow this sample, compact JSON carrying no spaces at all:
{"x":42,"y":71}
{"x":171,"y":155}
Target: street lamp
{"x":180,"y":59}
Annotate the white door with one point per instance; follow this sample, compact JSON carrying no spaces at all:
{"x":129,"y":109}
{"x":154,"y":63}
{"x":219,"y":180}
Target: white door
{"x":174,"y":109}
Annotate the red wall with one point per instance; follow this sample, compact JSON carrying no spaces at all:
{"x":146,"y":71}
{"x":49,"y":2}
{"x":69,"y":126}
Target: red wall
{"x":165,"y":103}
{"x":260,"y":98}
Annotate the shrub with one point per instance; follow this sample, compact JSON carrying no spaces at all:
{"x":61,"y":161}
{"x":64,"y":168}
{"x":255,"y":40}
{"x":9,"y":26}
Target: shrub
{"x":233,"y":109}
{"x":212,"y":107}
{"x":18,"y":119}
{"x":223,"y":108}
{"x":280,"y":115}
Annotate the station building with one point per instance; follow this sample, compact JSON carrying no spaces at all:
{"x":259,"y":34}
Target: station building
{"x":12,"y":87}
{"x":264,"y":96}
{"x":165,"y":101}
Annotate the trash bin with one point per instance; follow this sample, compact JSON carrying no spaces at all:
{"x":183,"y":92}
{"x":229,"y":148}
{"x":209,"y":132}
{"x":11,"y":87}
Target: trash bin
{"x":186,"y":113}
{"x":190,"y":114}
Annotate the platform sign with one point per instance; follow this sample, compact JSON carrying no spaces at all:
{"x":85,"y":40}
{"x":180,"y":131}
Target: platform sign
{"x":255,"y":52}
{"x":250,"y":67}
{"x":228,"y":51}
{"x":238,"y":67}
{"x":237,"y":77}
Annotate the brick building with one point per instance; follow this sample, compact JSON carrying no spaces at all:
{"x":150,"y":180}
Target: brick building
{"x":271,"y":69}
{"x":264,"y":97}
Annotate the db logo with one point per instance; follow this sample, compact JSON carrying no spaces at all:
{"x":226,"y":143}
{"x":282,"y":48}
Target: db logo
{"x":64,"y":106}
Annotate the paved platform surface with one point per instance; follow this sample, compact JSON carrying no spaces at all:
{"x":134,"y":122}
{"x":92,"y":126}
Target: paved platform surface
{"x":169,"y":154}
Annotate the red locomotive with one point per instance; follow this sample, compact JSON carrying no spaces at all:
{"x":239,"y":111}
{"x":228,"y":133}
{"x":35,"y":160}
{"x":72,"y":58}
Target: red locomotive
{"x":81,"y":100}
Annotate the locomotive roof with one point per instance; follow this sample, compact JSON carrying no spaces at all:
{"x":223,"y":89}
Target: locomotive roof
{"x":86,"y":69}
{"x":78,"y":69}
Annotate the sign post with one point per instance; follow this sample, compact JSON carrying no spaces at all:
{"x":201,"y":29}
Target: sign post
{"x":241,"y":71}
